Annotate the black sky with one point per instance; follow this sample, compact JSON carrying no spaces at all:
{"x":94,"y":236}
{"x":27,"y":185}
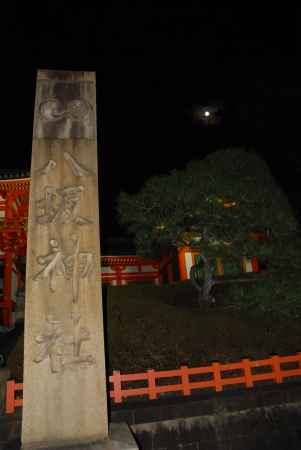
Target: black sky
{"x":153,"y":65}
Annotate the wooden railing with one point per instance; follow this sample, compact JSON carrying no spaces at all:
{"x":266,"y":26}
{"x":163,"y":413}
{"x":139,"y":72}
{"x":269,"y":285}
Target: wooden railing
{"x":119,"y":270}
{"x":276,"y":369}
{"x":11,"y":401}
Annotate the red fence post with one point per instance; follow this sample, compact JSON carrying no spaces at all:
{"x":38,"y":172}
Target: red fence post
{"x":118,"y":271}
{"x":185,"y":380}
{"x":275,"y":363}
{"x":151,"y":378}
{"x":248,"y":373}
{"x":217,"y":376}
{"x":117,"y":391}
{"x":10,"y":397}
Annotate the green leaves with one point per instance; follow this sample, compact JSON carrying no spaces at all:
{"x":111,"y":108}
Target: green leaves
{"x":229,"y":193}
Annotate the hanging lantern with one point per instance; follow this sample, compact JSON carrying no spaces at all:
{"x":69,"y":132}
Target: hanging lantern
{"x":229,"y":204}
{"x":219,"y":267}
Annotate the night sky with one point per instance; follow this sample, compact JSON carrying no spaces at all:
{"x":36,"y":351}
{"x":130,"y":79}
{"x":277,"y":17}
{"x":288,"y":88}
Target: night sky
{"x":155,"y":66}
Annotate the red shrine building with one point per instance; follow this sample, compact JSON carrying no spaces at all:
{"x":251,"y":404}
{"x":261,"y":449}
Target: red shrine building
{"x":14,"y":196}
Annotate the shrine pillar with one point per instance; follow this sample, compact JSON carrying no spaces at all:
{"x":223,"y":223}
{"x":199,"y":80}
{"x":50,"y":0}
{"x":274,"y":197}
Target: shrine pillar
{"x":65,"y":398}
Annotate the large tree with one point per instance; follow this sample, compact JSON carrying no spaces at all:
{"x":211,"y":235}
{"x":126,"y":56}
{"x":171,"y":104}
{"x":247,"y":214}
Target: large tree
{"x":214,"y":203}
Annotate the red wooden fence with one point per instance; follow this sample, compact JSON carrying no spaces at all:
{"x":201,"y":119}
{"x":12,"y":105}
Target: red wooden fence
{"x":119,"y":270}
{"x":251,"y":371}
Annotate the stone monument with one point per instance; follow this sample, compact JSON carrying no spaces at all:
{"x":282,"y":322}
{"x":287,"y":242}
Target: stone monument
{"x":65,"y":399}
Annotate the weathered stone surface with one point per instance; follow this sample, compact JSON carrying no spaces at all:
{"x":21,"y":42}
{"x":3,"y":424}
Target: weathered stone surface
{"x":270,"y":428}
{"x":119,"y":438}
{"x":64,"y":369}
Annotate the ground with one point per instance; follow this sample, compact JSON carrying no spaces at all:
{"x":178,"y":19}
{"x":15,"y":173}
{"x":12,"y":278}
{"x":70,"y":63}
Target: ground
{"x":162,"y":328}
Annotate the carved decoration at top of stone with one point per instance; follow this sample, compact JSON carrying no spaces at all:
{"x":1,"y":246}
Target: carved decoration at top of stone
{"x":64,"y":110}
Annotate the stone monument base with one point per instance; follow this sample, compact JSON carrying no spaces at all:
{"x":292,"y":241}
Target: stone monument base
{"x":120,"y":438}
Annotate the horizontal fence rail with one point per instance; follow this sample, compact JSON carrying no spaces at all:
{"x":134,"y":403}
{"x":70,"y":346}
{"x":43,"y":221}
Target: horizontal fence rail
{"x":186,"y":379}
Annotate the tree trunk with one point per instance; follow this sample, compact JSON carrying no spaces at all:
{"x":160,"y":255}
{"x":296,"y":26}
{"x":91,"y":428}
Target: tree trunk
{"x":204,"y":288}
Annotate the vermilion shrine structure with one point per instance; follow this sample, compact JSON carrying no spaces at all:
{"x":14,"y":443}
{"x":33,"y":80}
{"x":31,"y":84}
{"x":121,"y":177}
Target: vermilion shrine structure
{"x":14,"y":196}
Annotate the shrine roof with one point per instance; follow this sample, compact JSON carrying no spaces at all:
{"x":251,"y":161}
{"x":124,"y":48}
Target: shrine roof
{"x":11,"y":174}
{"x":14,"y":180}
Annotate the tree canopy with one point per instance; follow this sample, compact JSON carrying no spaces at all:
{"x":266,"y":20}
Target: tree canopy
{"x":214,"y":202}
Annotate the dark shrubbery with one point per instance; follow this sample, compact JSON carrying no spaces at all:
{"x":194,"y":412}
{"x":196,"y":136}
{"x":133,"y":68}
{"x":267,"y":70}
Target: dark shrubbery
{"x":163,"y":327}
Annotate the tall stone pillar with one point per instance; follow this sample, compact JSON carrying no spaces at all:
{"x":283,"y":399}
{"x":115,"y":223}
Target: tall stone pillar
{"x":65,"y":398}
